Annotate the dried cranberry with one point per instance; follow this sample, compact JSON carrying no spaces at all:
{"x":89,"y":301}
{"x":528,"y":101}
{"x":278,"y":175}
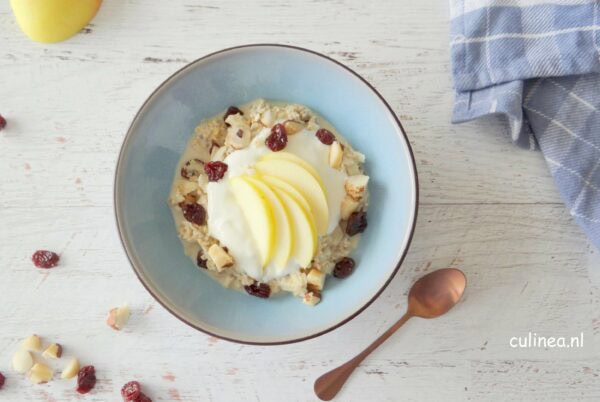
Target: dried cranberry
{"x":357,"y":223}
{"x":142,"y":398}
{"x":194,"y":213}
{"x":215,"y":170}
{"x":325,"y":136}
{"x":2,"y":380}
{"x":191,"y":169}
{"x":231,"y":110}
{"x":344,"y":267}
{"x":278,"y":138}
{"x":86,"y":379}
{"x":45,"y":259}
{"x":259,"y":290}
{"x":131,"y":391}
{"x":200,"y":260}
{"x":2,"y":122}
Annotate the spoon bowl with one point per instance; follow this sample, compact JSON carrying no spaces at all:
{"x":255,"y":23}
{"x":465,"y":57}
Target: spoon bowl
{"x":436,"y":293}
{"x":429,"y":297}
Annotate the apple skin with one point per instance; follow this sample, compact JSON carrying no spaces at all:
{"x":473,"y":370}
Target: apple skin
{"x":50,"y":21}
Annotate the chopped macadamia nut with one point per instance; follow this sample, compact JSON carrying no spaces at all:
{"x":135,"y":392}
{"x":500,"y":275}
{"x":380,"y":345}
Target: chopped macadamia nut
{"x":32,"y":343}
{"x":70,"y":370}
{"x":40,"y":373}
{"x":22,"y":361}
{"x":118,"y":317}
{"x":54,"y":351}
{"x":315,"y":279}
{"x":220,"y":257}
{"x":292,"y":127}
{"x":311,"y":298}
{"x":356,"y":185}
{"x":336,"y":154}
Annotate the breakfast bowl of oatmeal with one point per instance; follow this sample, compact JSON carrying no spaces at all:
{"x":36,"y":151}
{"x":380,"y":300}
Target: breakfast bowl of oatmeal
{"x":265,"y":194}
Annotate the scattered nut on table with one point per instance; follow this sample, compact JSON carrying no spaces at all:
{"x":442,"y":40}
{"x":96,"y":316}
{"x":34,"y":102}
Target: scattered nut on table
{"x":22,"y":361}
{"x":70,"y":370}
{"x":118,"y":317}
{"x":32,"y":343}
{"x":40,"y":373}
{"x":54,"y":351}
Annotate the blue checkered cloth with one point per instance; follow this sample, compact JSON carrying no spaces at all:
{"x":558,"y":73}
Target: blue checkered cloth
{"x":536,"y":64}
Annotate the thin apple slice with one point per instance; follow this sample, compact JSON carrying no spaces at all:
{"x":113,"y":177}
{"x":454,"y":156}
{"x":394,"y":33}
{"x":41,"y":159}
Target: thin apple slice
{"x":259,"y":216}
{"x":297,"y":160}
{"x":283,"y":230}
{"x":288,"y":188}
{"x":303,"y":229}
{"x":304,"y":182}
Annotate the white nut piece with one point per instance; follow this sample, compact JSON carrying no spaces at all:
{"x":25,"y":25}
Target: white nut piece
{"x":54,"y":351}
{"x":218,"y":154}
{"x":336,"y":154}
{"x":220,"y":257}
{"x":238,"y":137}
{"x":32,"y":343}
{"x":356,"y":185}
{"x":40,"y":373}
{"x":315,"y":279}
{"x":237,"y":120}
{"x":292,"y":127}
{"x":118,"y":317}
{"x":266,"y":118}
{"x":348,"y":206}
{"x":22,"y":361}
{"x":311,"y":298}
{"x":70,"y":370}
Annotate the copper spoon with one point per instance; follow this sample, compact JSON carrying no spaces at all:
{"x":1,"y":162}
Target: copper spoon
{"x":430,"y":297}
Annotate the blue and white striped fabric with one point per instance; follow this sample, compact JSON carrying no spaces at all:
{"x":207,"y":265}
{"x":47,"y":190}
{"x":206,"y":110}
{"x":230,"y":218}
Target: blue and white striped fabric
{"x":536,"y":63}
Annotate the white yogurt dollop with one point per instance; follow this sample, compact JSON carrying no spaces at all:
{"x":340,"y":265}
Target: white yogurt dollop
{"x":226,"y":221}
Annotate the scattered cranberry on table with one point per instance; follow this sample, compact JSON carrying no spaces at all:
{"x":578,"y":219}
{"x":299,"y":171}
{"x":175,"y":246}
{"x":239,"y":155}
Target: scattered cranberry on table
{"x":86,"y":379}
{"x":277,"y":140}
{"x":131,"y":391}
{"x":215,"y":170}
{"x":45,"y":259}
{"x":325,"y":136}
{"x":2,"y":380}
{"x":2,"y":122}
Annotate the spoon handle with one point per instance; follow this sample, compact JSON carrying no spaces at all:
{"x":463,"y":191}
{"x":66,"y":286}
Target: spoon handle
{"x":330,"y":383}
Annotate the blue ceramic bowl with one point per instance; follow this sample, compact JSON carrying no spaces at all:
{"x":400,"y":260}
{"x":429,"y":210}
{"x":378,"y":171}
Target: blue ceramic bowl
{"x":159,"y":134}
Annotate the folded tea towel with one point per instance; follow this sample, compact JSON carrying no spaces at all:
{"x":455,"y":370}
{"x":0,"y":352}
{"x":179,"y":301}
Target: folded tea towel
{"x":537,"y":64}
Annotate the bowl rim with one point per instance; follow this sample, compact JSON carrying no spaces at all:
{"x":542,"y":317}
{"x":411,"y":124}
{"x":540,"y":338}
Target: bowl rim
{"x":118,"y":212}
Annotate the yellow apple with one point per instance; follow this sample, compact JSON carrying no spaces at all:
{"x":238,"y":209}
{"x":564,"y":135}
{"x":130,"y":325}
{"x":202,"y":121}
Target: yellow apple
{"x":304,"y":231}
{"x":302,"y":181}
{"x":53,"y":20}
{"x":298,"y":160}
{"x":283,"y":228}
{"x":288,"y":188}
{"x":259,"y":215}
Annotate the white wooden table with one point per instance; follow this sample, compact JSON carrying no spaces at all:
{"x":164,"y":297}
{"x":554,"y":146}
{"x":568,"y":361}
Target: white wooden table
{"x":486,"y":207}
